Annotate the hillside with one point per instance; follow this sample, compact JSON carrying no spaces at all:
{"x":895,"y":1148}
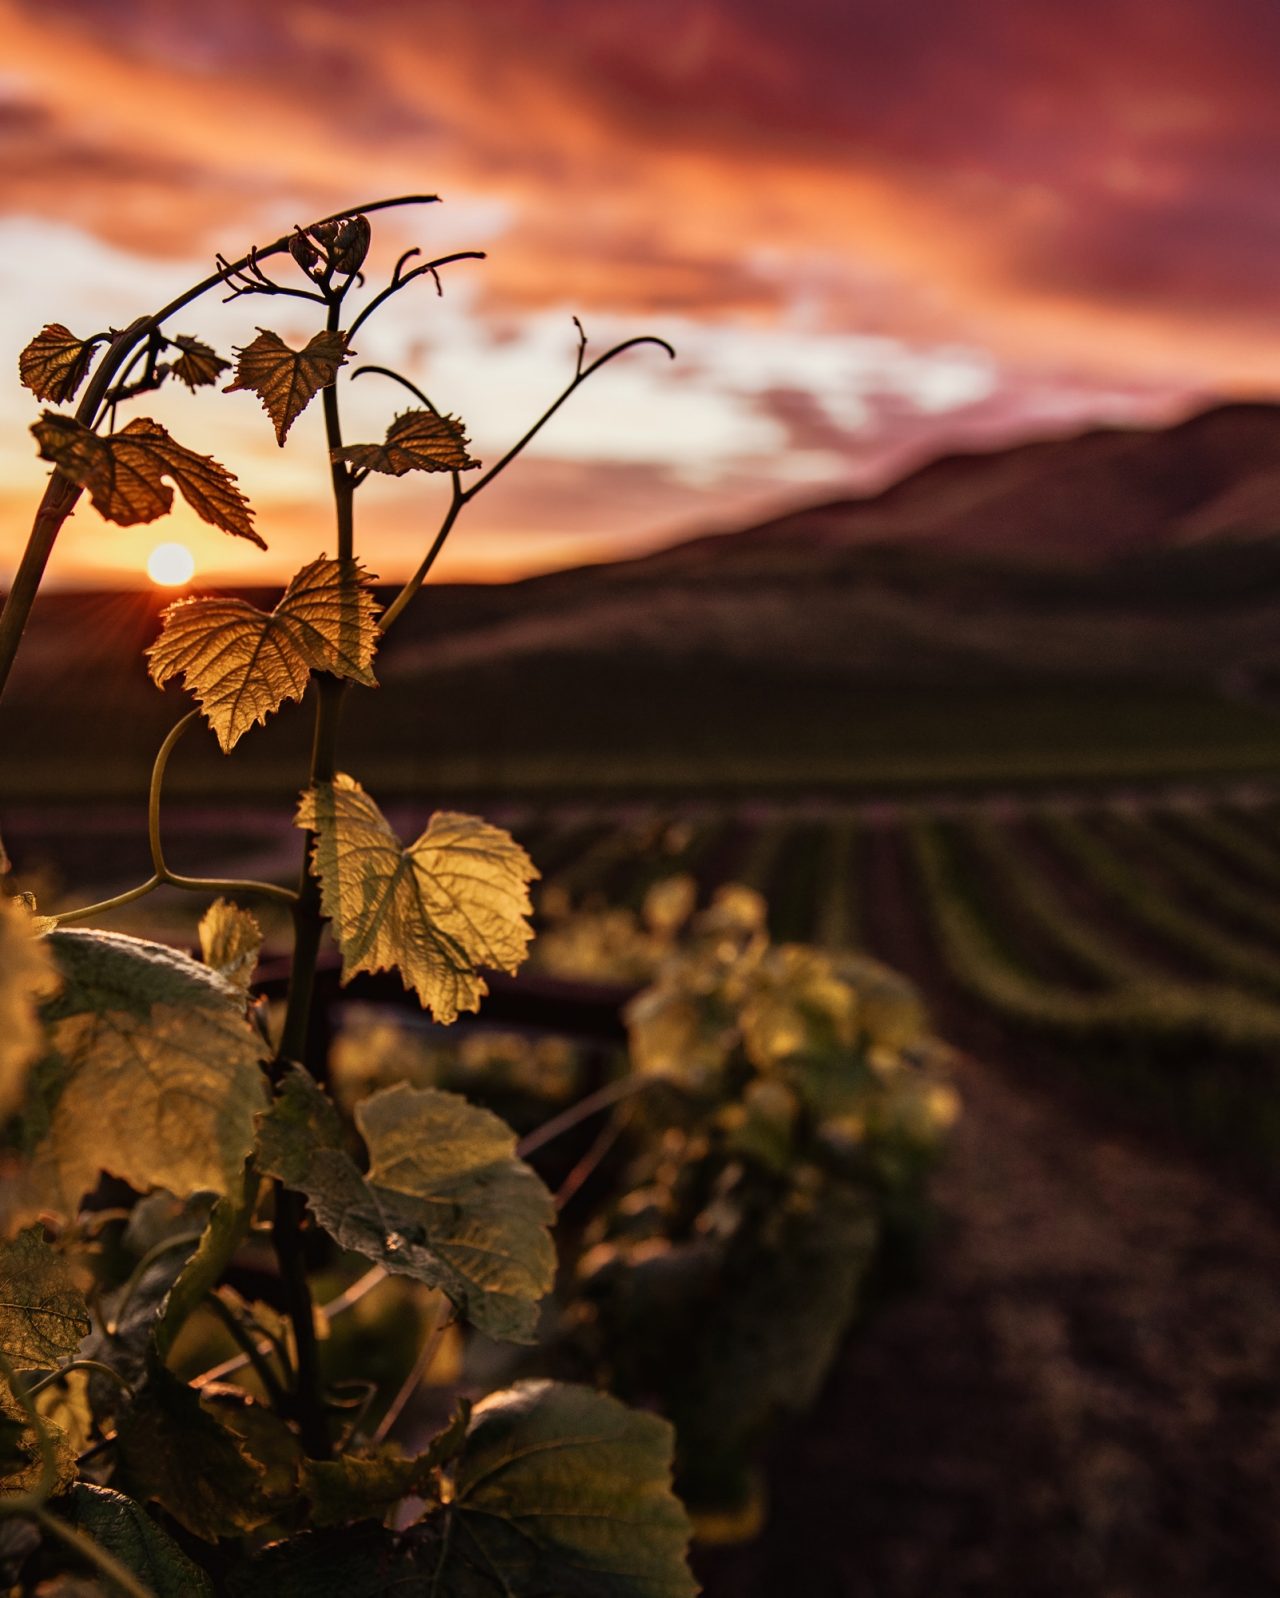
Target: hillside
{"x":1108,"y":603}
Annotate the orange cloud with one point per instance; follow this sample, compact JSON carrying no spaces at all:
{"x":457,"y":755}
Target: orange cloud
{"x":1083,"y":193}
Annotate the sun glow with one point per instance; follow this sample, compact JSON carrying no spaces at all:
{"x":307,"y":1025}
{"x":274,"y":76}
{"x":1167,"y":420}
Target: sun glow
{"x":171,"y":565}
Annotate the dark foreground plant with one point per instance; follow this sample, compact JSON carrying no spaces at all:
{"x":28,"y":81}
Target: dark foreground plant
{"x":128,"y":1060}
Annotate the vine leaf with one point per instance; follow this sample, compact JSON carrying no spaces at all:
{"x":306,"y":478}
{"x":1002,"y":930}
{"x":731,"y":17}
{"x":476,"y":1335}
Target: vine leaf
{"x":568,"y":1491}
{"x":171,"y":1448}
{"x":242,"y":663}
{"x":54,"y":364}
{"x":152,"y":1075}
{"x":43,"y":1319}
{"x":445,"y":1200}
{"x":417,"y":441}
{"x":455,"y":900}
{"x":355,"y":1487}
{"x":230,"y":939}
{"x":287,"y":380}
{"x":27,"y":975}
{"x":360,"y":1561}
{"x":21,"y":1460}
{"x":125,"y":471}
{"x":132,"y":1319}
{"x":199,"y":365}
{"x":123,"y":1528}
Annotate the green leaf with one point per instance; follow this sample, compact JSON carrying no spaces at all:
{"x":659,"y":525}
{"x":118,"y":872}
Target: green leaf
{"x":54,"y":364}
{"x":359,"y":1488}
{"x":230,"y":939}
{"x":125,"y":471}
{"x":445,"y":1199}
{"x":287,"y":380}
{"x":43,"y":1318}
{"x":124,"y":1529}
{"x":229,"y":1221}
{"x":563,"y":1490}
{"x":417,"y":441}
{"x":455,"y":900}
{"x":27,"y":975}
{"x":152,"y":1075}
{"x":242,"y":663}
{"x":171,"y":1450}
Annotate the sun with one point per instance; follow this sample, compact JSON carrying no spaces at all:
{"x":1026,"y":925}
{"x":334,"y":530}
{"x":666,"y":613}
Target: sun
{"x":171,"y":565}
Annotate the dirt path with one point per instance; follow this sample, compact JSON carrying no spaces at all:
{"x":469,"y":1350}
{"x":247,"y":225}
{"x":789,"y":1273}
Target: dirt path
{"x":1083,"y":1396}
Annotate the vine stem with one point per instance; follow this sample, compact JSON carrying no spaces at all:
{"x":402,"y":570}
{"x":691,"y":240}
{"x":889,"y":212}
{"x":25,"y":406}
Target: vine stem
{"x":417,"y":1374}
{"x":61,"y":494}
{"x":612,"y":1093}
{"x":267,"y":890}
{"x":602,"y":1099}
{"x":161,"y":875}
{"x":80,"y":1365}
{"x":463,"y":496}
{"x":308,"y":922}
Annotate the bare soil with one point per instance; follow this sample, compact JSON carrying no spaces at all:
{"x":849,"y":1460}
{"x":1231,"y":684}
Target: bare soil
{"x":1082,"y":1395}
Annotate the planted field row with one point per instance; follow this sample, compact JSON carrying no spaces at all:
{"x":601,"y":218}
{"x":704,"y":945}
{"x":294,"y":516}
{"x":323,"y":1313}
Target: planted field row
{"x":1100,"y":925}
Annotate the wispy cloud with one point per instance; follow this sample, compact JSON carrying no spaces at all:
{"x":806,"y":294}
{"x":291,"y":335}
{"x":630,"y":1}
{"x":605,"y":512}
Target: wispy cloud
{"x":872,"y":229}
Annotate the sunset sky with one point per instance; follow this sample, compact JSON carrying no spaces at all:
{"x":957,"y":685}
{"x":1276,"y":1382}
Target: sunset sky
{"x":872,"y":230}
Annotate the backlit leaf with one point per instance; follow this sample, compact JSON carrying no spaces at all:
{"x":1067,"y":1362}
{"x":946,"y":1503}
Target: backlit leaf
{"x":43,"y":1319}
{"x":67,"y":1405}
{"x":287,"y":380}
{"x":121,"y":1526}
{"x":242,"y":663}
{"x":669,"y":903}
{"x":230,"y":939}
{"x":152,"y":1075}
{"x":27,"y":975}
{"x":199,"y":365}
{"x":125,"y":474}
{"x":417,"y":441}
{"x":563,"y":1490}
{"x":54,"y":364}
{"x":453,"y":901}
{"x":445,"y":1200}
{"x":21,"y":1459}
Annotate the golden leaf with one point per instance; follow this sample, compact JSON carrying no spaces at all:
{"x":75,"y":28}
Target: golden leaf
{"x":53,"y":365}
{"x":287,"y":380}
{"x":21,"y":1458}
{"x":669,"y":903}
{"x":27,"y":975}
{"x":199,"y":365}
{"x":242,"y":663}
{"x":125,"y":471}
{"x":435,"y":911}
{"x":152,"y":1075}
{"x":230,"y":939}
{"x":43,"y":1318}
{"x":417,"y":441}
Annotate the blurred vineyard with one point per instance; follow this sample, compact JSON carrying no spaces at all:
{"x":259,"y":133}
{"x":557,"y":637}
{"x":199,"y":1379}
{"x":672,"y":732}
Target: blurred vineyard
{"x":1135,"y":940}
{"x":1140,"y":945}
